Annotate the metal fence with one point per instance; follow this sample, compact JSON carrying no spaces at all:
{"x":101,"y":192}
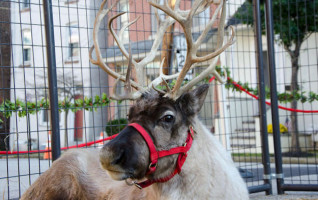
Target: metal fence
{"x":44,"y":53}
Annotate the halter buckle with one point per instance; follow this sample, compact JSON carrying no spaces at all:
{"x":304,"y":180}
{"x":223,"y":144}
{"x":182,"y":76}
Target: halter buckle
{"x":153,"y":165}
{"x":133,"y":183}
{"x":137,"y":185}
{"x":191,"y":131}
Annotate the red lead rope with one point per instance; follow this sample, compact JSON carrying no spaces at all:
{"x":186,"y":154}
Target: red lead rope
{"x":154,"y":155}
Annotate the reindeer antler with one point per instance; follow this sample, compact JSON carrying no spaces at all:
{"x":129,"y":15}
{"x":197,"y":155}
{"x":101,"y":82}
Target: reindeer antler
{"x":128,"y":95}
{"x":99,"y":59}
{"x":185,"y":18}
{"x":139,"y":66}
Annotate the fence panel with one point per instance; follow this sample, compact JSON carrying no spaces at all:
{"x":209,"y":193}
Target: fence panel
{"x":297,"y":39}
{"x":86,"y":114}
{"x":25,"y":90}
{"x":294,"y":46}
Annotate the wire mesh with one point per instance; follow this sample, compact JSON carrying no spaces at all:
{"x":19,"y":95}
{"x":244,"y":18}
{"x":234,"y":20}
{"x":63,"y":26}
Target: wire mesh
{"x":295,"y":47}
{"x":83,"y":88}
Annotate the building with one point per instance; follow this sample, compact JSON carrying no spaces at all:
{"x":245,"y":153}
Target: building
{"x":77,"y":78}
{"x":240,"y":58}
{"x":225,"y":112}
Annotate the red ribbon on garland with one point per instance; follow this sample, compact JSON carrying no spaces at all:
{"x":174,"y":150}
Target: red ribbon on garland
{"x":63,"y":148}
{"x":268,"y":103}
{"x":113,"y":136}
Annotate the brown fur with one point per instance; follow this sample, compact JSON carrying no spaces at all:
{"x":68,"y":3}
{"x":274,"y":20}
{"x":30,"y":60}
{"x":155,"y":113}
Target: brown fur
{"x":81,"y":174}
{"x":149,"y":111}
{"x":84,"y":179}
{"x":78,"y":173}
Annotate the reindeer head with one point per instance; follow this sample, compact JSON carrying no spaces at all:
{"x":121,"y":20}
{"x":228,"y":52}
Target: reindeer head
{"x":164,"y":115}
{"x":166,"y":121}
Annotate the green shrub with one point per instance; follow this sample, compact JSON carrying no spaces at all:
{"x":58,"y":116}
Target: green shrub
{"x":115,"y":126}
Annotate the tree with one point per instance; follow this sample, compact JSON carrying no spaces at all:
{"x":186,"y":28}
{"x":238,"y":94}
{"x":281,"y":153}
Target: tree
{"x":294,"y":21}
{"x":5,"y":69}
{"x":68,"y":88}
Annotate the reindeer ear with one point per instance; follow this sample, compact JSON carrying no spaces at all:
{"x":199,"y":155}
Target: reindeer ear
{"x":191,"y":102}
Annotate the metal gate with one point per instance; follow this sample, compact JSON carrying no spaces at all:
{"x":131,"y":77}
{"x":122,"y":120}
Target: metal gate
{"x":44,"y":53}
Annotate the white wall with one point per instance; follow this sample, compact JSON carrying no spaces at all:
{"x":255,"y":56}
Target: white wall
{"x":240,"y":58}
{"x":28,"y":81}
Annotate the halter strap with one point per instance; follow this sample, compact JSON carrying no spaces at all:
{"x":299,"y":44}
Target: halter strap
{"x":154,"y":155}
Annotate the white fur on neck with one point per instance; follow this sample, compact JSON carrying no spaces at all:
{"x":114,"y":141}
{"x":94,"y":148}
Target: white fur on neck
{"x":208,"y":173}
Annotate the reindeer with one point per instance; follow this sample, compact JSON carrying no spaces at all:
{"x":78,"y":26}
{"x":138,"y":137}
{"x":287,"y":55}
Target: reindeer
{"x":165,"y":151}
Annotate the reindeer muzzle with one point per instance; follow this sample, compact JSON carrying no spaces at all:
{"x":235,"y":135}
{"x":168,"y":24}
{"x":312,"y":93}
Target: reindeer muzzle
{"x":155,"y":155}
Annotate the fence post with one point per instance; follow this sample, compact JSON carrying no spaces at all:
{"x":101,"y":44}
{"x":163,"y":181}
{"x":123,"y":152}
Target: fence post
{"x":273,"y":92}
{"x":262,"y":96}
{"x":51,"y":62}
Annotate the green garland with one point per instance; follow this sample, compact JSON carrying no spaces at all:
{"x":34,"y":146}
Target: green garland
{"x":91,"y":104}
{"x":284,"y":97}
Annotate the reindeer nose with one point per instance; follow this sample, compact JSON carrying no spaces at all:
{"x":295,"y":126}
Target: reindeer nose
{"x":112,"y":155}
{"x":119,"y":151}
{"x":118,"y":157}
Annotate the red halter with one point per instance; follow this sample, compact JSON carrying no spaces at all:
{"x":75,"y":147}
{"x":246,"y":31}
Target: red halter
{"x":155,"y":155}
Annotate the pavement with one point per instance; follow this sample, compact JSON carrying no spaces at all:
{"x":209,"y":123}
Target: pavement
{"x":288,"y":196}
{"x":293,"y":174}
{"x":23,"y":172}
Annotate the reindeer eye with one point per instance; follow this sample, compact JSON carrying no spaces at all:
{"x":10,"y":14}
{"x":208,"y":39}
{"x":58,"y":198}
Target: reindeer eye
{"x":168,"y":118}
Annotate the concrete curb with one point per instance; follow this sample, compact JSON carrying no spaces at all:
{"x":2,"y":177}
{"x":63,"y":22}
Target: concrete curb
{"x":286,"y":160}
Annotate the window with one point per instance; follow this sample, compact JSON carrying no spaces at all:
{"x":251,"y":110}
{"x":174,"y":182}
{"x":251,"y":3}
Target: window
{"x":123,"y":6}
{"x":25,"y":4}
{"x":73,"y":41}
{"x":73,"y":49}
{"x":45,"y":116}
{"x":27,"y":42}
{"x":26,"y":54}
